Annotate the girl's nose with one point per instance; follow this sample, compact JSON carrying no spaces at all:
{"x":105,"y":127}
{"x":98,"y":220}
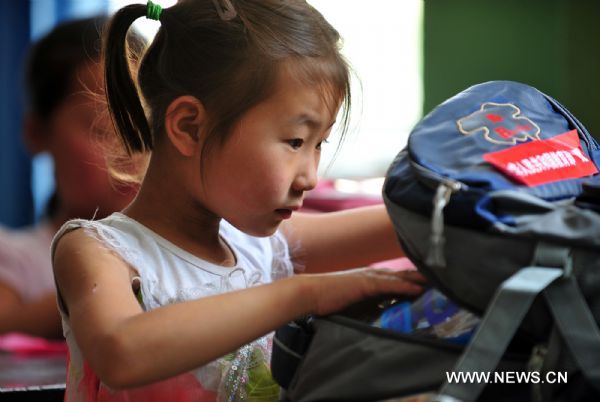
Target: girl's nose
{"x":307,"y":178}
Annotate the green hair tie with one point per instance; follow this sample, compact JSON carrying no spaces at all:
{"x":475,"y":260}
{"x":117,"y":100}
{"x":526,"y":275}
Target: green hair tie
{"x":153,"y":11}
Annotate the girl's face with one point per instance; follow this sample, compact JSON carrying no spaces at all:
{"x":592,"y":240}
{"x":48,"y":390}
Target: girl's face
{"x":73,"y":130}
{"x":259,"y":177}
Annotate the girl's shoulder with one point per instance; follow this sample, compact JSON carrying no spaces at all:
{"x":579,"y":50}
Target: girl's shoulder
{"x":93,"y":228}
{"x":115,"y":232}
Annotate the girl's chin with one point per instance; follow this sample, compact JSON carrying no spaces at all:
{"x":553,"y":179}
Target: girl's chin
{"x":267,"y":231}
{"x":263,"y":229}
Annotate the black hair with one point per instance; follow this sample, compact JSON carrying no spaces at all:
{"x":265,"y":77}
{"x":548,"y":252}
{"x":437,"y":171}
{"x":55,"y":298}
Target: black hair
{"x":52,"y":62}
{"x":229,"y":65}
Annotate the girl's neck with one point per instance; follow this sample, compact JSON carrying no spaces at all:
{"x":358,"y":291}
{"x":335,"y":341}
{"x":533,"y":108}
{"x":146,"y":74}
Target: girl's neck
{"x":164,"y":209}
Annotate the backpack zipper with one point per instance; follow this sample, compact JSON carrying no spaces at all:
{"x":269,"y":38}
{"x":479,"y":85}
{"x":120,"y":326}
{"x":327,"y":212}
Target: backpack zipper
{"x":437,"y":240}
{"x":444,"y":188}
{"x":433,"y":179}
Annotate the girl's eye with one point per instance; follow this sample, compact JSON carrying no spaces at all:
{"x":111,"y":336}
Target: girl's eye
{"x":296,"y":143}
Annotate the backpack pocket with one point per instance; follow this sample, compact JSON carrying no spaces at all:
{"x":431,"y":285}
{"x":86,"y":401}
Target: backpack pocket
{"x":351,"y":360}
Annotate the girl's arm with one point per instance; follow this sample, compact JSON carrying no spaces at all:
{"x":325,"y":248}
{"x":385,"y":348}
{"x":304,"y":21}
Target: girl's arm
{"x":126,"y":347}
{"x":340,"y":240}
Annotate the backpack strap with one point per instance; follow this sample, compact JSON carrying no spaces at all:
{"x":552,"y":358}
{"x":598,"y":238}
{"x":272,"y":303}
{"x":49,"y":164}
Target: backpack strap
{"x":577,"y":326}
{"x":512,"y":301}
{"x":554,"y":350}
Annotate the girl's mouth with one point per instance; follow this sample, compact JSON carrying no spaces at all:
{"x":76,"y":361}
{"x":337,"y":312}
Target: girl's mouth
{"x":284,"y":213}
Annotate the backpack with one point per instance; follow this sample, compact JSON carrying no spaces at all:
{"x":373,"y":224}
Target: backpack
{"x":496,"y":199}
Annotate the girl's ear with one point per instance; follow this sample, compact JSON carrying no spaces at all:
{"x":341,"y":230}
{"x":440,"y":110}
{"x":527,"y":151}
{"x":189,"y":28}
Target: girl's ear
{"x":183,"y":123}
{"x":34,"y":136}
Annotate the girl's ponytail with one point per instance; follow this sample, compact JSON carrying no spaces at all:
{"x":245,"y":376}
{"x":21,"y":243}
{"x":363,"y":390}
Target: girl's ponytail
{"x":123,"y":99}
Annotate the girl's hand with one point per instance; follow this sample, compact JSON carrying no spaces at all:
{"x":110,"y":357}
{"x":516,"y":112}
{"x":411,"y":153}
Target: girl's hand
{"x":332,"y":292}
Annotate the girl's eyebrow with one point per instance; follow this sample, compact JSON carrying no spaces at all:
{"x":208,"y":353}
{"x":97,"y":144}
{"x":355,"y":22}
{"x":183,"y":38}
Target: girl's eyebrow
{"x":309,"y":120}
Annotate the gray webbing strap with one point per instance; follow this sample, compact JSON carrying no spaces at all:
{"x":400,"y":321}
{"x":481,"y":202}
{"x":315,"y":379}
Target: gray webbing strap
{"x":511,"y":302}
{"x":553,"y":354}
{"x":577,"y":326}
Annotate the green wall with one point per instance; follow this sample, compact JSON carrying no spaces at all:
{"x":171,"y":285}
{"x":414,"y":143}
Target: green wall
{"x":553,"y":45}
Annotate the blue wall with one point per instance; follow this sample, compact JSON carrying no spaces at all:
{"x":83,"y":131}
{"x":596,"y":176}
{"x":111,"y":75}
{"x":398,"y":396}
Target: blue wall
{"x":15,"y":194}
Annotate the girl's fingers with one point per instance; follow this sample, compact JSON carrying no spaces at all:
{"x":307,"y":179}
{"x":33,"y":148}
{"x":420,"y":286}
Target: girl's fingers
{"x":414,"y":276}
{"x":411,"y":275}
{"x":409,"y":287}
{"x":407,"y":282}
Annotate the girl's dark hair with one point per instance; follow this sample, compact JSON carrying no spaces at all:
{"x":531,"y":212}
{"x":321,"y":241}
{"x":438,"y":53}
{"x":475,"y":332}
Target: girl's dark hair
{"x":53,"y":61}
{"x":228,"y":65}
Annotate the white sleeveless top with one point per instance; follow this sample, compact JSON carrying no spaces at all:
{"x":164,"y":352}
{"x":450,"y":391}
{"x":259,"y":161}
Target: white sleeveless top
{"x":169,"y":274}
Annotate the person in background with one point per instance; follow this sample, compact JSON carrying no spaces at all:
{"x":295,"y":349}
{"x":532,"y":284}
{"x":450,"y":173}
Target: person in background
{"x":64,"y":117}
{"x":175,"y":297}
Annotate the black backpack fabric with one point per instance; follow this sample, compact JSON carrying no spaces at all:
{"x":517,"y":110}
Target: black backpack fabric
{"x":496,"y":199}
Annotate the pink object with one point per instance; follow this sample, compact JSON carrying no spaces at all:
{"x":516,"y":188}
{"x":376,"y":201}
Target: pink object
{"x":26,"y":344}
{"x":181,"y":388}
{"x":400,"y":264}
{"x":325,"y":198}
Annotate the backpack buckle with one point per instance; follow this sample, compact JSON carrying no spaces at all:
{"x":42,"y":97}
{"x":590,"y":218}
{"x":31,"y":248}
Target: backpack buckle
{"x":554,"y":256}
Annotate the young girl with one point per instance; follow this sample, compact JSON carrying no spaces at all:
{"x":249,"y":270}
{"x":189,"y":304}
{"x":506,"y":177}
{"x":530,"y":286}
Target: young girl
{"x":175,"y":297}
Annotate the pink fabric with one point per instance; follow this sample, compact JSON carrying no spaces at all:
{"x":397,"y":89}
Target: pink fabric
{"x":89,"y":384}
{"x":29,"y":345}
{"x":325,"y":198}
{"x":400,"y":264}
{"x":182,"y":388}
